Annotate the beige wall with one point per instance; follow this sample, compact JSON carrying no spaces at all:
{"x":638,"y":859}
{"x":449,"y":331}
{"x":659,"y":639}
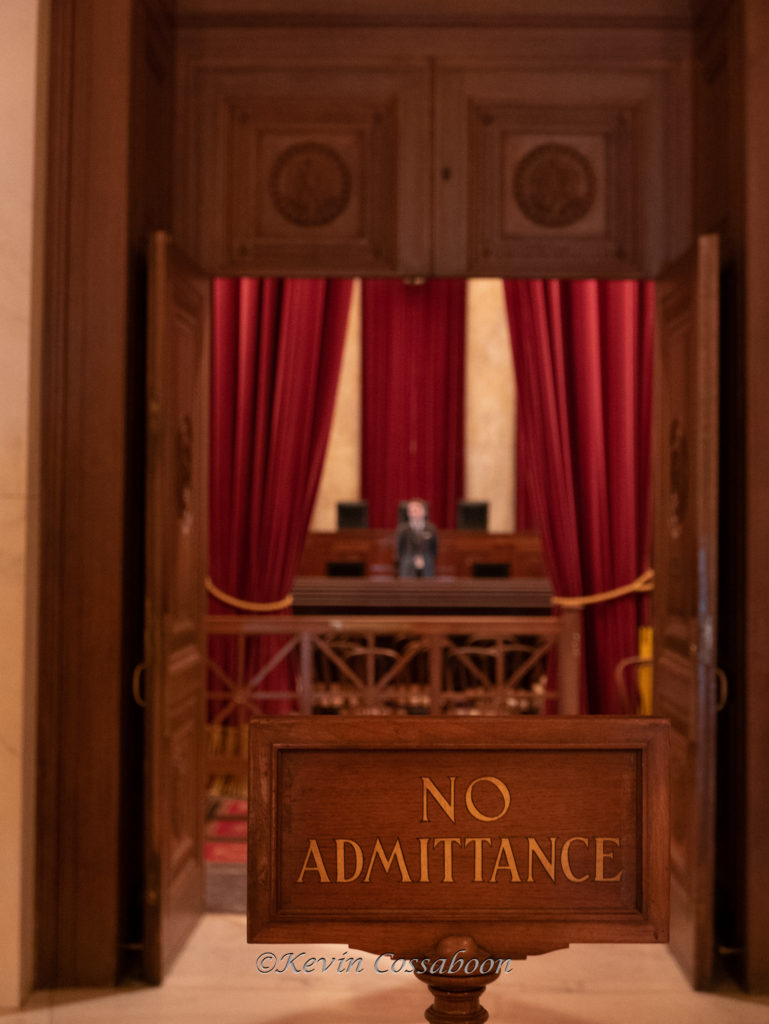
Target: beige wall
{"x":20,"y":194}
{"x":490,"y":403}
{"x":340,"y":479}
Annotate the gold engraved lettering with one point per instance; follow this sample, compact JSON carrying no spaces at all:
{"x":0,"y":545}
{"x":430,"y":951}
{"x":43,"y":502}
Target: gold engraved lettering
{"x":448,"y":856}
{"x":565,"y":865}
{"x":447,"y":806}
{"x":478,"y":842}
{"x":317,"y":864}
{"x":601,"y":855}
{"x":396,"y":854}
{"x":509,"y":865}
{"x":547,"y":864}
{"x":341,"y":876}
{"x":424,"y":867}
{"x":357,"y":861}
{"x":471,"y":804}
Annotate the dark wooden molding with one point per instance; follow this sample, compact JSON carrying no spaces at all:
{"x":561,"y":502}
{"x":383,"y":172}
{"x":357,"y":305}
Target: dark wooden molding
{"x":150,"y":172}
{"x":756,"y":83}
{"x":460,"y":13}
{"x":109,"y":182}
{"x":53,"y":404}
{"x":82,"y":600}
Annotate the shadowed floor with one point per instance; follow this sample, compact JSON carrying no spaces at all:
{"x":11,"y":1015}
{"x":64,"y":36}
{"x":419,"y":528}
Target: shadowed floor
{"x":216,"y":981}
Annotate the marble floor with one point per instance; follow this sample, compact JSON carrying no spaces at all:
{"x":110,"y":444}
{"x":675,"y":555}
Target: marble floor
{"x":216,"y":981}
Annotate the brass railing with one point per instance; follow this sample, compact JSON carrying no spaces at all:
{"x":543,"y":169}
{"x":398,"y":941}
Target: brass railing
{"x":377,"y":665}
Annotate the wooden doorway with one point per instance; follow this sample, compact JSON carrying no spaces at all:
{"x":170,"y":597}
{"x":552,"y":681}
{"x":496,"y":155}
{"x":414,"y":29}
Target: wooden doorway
{"x":93,"y":244}
{"x":178,"y":347}
{"x":685,"y":601}
{"x":686,"y":559}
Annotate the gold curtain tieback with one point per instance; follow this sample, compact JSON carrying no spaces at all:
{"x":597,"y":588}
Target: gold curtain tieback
{"x":642,"y":585}
{"x":247,"y":606}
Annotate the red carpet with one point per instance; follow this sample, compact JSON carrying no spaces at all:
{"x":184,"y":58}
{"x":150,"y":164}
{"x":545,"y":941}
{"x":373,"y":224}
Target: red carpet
{"x":225,"y":839}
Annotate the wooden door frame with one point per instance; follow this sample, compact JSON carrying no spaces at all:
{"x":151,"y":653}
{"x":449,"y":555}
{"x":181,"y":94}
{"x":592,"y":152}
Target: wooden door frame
{"x":754,"y":292}
{"x":99,"y":203}
{"x":108,"y":179}
{"x":83,"y":604}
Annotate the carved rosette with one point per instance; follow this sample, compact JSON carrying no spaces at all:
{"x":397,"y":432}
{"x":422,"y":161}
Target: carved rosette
{"x":554,"y":185}
{"x":310,"y":184}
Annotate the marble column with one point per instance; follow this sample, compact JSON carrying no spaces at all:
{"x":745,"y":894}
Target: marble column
{"x":22,"y":120}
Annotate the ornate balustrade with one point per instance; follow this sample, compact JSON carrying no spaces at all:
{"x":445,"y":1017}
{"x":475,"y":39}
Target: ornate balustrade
{"x":382,"y":665}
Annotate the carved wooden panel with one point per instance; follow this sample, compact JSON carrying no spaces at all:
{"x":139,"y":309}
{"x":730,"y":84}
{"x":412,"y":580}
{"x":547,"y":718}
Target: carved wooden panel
{"x":677,"y":703}
{"x":176,"y":556}
{"x":563,"y":167}
{"x":152,"y":134}
{"x":566,"y":181}
{"x":435,"y":12}
{"x":433,"y":152}
{"x":184,"y":794}
{"x":685,"y":615}
{"x":717,"y":121}
{"x":302,"y":166}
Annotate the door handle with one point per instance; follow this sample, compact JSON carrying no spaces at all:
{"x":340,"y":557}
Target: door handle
{"x":136,"y":677}
{"x":722,"y":688}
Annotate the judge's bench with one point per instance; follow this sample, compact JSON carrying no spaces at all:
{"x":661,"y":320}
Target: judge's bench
{"x":351,"y":570}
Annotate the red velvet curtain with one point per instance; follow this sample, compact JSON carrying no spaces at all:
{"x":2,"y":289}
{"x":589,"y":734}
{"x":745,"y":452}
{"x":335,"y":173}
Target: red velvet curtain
{"x":413,"y":397}
{"x":277,"y":347}
{"x":583,"y":355}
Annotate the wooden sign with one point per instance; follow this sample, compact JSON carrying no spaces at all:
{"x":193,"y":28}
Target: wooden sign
{"x":523,"y":834}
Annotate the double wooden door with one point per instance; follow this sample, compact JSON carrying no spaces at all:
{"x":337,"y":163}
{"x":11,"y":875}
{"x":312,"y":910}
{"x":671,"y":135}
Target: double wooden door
{"x":685,"y":559}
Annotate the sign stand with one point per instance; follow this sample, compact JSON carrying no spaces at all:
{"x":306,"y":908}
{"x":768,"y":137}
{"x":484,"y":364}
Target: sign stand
{"x":458,"y":845}
{"x":456,"y":997}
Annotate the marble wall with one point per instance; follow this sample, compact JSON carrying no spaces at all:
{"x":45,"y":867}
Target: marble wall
{"x":490,"y":403}
{"x":340,"y":479}
{"x":22,"y":97}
